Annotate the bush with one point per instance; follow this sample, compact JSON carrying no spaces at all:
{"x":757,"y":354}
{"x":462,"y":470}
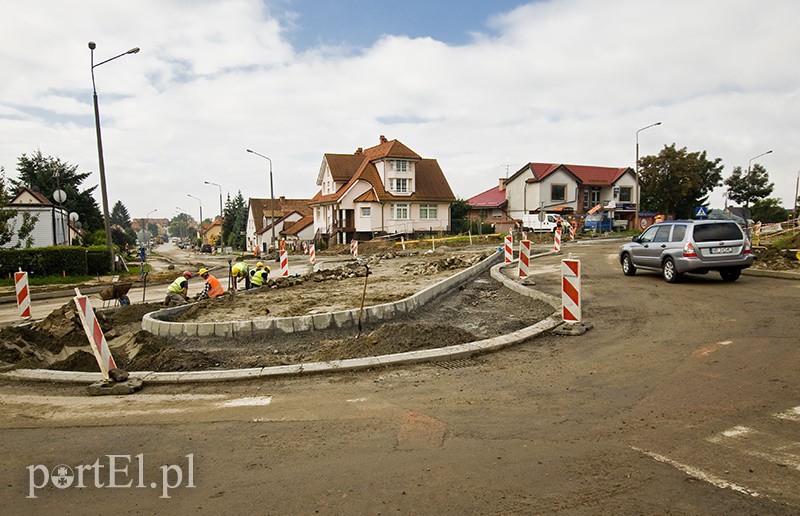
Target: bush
{"x":44,"y":261}
{"x":98,"y":260}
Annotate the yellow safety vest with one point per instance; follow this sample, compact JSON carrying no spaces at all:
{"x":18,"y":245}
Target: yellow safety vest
{"x":176,"y":285}
{"x":258,"y":278}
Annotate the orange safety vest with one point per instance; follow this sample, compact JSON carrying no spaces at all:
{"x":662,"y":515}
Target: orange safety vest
{"x":216,"y":287}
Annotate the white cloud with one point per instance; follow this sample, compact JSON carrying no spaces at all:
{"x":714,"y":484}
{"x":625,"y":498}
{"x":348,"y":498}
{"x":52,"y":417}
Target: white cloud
{"x":564,"y":81}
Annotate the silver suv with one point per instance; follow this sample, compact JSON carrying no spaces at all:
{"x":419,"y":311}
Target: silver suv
{"x":694,"y":246}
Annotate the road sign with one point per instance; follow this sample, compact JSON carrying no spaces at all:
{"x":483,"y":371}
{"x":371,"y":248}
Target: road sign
{"x":701,"y":212}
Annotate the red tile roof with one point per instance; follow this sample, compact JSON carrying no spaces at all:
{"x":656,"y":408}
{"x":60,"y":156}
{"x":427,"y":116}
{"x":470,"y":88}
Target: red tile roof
{"x":431,"y":185}
{"x":261,"y":208}
{"x":492,"y":198}
{"x":585,"y":174}
{"x":298,"y":226}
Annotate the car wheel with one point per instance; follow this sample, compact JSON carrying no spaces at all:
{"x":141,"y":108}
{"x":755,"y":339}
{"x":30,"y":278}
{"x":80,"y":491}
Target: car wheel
{"x":669,"y":272}
{"x":627,"y":265}
{"x":730,"y":274}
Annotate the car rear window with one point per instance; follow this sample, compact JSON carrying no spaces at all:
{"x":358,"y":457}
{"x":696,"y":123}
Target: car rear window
{"x":714,"y":232}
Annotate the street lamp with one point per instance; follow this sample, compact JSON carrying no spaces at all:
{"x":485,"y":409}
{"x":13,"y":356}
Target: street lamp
{"x":271,"y":194}
{"x":106,"y":219}
{"x":200,"y":224}
{"x":638,"y":193}
{"x":220,"y":196}
{"x":755,"y":157}
{"x":147,"y":223}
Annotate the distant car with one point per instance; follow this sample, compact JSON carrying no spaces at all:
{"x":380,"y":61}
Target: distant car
{"x":205,"y":248}
{"x":676,"y":247}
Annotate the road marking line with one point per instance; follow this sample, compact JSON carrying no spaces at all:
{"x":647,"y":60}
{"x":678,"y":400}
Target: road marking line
{"x":699,"y":474}
{"x":759,"y":444}
{"x":247,"y":402}
{"x":356,"y":400}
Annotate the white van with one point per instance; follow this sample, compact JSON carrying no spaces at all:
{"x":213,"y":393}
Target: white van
{"x":532,"y":223}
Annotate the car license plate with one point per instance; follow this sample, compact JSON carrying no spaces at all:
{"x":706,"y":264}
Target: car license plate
{"x":721,"y":250}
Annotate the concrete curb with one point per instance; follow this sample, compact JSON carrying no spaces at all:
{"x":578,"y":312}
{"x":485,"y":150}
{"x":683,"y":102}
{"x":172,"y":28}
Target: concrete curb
{"x":772,"y":274}
{"x":456,"y":352}
{"x":154,"y":322}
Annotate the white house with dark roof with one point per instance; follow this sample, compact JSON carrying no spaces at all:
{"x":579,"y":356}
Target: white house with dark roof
{"x":52,"y":222}
{"x":264,"y":219}
{"x":386,"y":189}
{"x":571,"y":189}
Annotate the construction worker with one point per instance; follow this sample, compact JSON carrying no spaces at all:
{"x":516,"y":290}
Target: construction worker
{"x":259,"y":276}
{"x":240,"y":271}
{"x":178,"y":291}
{"x":212,"y":289}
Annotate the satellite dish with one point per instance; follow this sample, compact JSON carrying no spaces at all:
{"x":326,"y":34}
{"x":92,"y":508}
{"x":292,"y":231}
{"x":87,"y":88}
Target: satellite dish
{"x":74,"y":217}
{"x":60,"y":196}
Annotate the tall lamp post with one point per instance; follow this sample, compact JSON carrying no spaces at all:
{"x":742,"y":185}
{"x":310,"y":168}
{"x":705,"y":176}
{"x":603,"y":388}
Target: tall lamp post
{"x":638,"y":193}
{"x":271,"y":194}
{"x":200,"y":224}
{"x":220,"y":196}
{"x":106,"y":219}
{"x":750,"y":162}
{"x":147,"y":222}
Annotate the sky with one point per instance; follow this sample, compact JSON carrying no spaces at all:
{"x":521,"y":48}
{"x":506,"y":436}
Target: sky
{"x":482,"y":86}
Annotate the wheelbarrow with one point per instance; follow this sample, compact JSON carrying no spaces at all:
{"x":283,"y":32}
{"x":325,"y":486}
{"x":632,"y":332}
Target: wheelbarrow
{"x":118,"y":293}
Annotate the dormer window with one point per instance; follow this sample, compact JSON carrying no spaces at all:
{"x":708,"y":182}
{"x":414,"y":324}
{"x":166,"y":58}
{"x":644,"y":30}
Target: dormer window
{"x":400,"y":185}
{"x":399,"y":165}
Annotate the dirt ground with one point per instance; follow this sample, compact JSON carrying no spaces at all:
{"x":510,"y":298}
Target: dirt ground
{"x":480,"y":309}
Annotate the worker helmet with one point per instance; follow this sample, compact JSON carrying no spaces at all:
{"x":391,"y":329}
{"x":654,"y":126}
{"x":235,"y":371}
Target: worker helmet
{"x":187,"y":274}
{"x":203,"y":271}
{"x":259,"y":264}
{"x":268,"y":269}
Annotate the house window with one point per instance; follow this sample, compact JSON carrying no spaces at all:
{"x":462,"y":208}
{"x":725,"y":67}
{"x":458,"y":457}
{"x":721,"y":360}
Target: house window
{"x":625,"y":194}
{"x":399,"y":165}
{"x":366,"y":211}
{"x":400,"y":211}
{"x":558,"y":192}
{"x":427,"y":211}
{"x":399,"y":185}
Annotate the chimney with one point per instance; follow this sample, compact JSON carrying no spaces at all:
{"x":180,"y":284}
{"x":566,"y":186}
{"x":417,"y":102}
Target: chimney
{"x":282,"y":199}
{"x":502,"y":184}
{"x":383,"y":139}
{"x":359,"y":151}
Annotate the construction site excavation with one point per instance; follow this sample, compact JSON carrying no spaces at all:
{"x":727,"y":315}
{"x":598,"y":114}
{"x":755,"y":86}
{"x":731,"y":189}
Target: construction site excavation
{"x":479,"y":308}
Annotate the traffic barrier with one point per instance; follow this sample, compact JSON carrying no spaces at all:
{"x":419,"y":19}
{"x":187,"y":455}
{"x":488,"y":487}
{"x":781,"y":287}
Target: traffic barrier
{"x":571,"y":290}
{"x":312,"y":254}
{"x":509,"y":249}
{"x":284,"y":263}
{"x":524,"y":258}
{"x":23,"y":294}
{"x":97,"y":341}
{"x":354,"y":248}
{"x":557,"y":239}
{"x":571,"y":228}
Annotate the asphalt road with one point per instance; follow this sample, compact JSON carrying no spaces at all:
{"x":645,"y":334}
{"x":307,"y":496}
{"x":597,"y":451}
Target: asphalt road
{"x":684,"y":399}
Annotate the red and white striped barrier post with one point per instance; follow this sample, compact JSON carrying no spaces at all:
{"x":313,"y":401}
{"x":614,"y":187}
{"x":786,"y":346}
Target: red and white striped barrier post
{"x":571,"y":228}
{"x":354,"y":248}
{"x":312,"y":254}
{"x":557,"y":239}
{"x":97,"y":340}
{"x":524,"y":258}
{"x":509,"y":249}
{"x":571,"y":290}
{"x":284,"y":263}
{"x":23,"y":294}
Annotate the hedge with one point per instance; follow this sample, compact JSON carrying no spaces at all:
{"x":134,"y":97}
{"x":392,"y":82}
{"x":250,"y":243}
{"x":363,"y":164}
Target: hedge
{"x":54,"y":261}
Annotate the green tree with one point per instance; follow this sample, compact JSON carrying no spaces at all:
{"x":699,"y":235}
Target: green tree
{"x":49,"y":174}
{"x":180,"y":226}
{"x":676,"y":180}
{"x":235,"y":222}
{"x":768,"y":210}
{"x":748,"y":187}
{"x":8,"y":228}
{"x":459,"y":216}
{"x":120,"y":215}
